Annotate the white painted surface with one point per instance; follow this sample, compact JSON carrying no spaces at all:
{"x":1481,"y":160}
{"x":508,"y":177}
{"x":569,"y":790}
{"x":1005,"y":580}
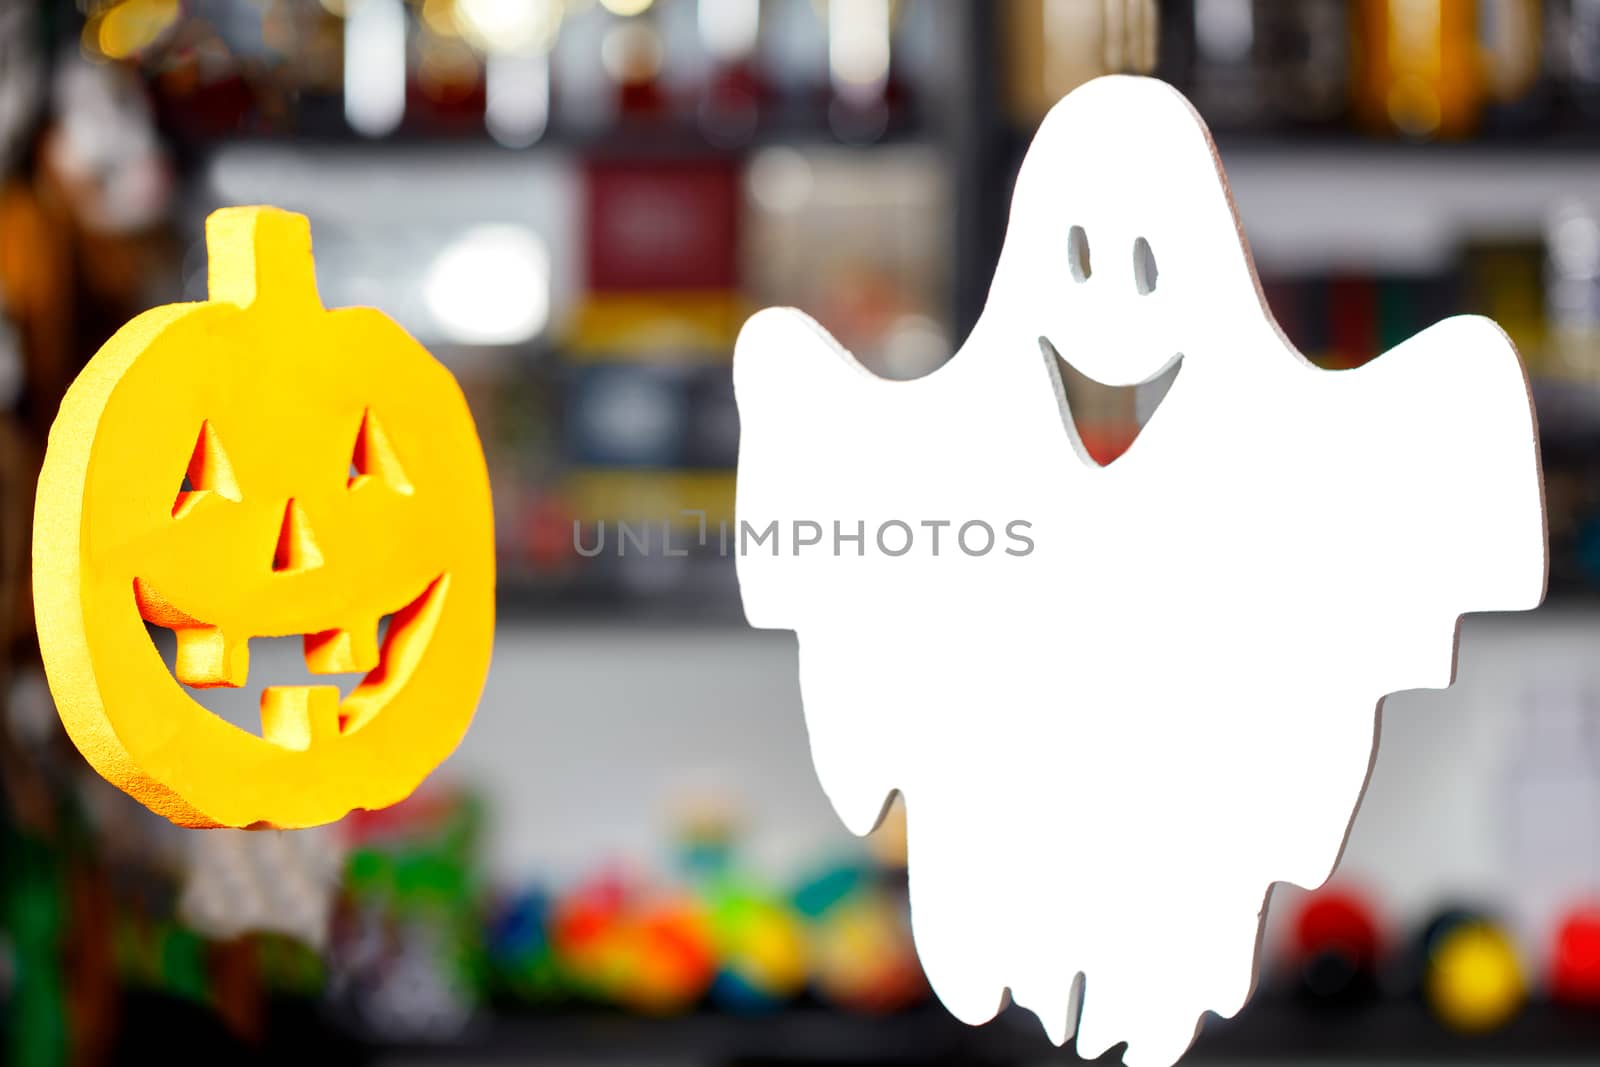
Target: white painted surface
{"x":1112,"y":743}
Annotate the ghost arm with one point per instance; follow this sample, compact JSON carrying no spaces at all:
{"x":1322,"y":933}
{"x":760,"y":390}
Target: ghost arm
{"x":794,"y":387}
{"x":811,"y":422}
{"x":1445,"y":435}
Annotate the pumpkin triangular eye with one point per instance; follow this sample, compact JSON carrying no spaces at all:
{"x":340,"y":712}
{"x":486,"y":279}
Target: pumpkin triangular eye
{"x":297,"y":548}
{"x":209,"y":471}
{"x":374,"y":457}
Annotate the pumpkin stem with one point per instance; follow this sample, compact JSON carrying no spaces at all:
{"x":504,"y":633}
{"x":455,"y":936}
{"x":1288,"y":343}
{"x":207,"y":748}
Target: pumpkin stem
{"x":260,"y":254}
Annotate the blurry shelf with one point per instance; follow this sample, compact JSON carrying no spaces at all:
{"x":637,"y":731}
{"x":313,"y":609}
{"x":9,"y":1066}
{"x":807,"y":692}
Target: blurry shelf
{"x":1399,"y":208}
{"x":1396,"y":1030}
{"x":1271,"y":1029}
{"x":671,"y":138}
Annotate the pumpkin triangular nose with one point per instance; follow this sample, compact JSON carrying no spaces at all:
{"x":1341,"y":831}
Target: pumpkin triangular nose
{"x":209,"y":471}
{"x":297,"y":547}
{"x":374,"y":457}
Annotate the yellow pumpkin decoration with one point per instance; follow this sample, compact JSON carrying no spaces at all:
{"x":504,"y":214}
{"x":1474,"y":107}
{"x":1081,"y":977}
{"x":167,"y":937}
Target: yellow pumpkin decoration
{"x":258,"y":466}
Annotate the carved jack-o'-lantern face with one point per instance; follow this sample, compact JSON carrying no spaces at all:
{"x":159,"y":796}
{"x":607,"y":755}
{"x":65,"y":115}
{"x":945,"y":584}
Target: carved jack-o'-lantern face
{"x":258,"y":466}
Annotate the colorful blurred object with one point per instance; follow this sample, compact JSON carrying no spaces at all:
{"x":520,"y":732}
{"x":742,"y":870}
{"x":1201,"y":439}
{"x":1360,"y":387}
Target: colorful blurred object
{"x":405,"y":954}
{"x":761,"y":948}
{"x":522,"y":961}
{"x":672,"y":957}
{"x":1474,"y":980}
{"x":645,"y":950}
{"x":719,"y":937}
{"x":122,"y":29}
{"x":1575,"y":963}
{"x":587,"y":935}
{"x":1336,"y":948}
{"x":864,"y":958}
{"x":1421,"y":74}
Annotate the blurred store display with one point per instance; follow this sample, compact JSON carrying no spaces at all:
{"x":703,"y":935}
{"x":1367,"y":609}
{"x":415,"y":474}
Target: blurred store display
{"x":575,"y":204}
{"x":578,"y":201}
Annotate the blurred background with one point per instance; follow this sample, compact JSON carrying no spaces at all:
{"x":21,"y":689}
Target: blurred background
{"x":574,"y":204}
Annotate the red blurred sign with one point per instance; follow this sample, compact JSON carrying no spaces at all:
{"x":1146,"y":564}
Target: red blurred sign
{"x":662,"y":225}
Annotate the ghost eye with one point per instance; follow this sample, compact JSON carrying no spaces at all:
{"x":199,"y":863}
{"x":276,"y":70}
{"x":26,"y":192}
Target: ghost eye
{"x":1078,"y":254}
{"x":1144,"y":267}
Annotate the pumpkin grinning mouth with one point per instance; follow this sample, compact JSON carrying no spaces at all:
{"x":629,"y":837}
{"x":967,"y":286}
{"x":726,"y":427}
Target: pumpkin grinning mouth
{"x":299,"y":716}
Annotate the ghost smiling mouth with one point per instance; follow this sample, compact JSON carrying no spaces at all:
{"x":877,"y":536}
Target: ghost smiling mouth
{"x":298,"y":716}
{"x":1080,"y":396}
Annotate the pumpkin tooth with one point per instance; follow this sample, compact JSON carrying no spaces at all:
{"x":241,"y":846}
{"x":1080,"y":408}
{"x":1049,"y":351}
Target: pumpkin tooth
{"x":209,"y":658}
{"x":343,"y":651}
{"x":299,"y":716}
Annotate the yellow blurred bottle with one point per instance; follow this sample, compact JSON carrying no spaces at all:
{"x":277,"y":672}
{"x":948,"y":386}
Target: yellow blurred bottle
{"x":1053,"y":46}
{"x":1510,"y":34}
{"x":1418,"y":71}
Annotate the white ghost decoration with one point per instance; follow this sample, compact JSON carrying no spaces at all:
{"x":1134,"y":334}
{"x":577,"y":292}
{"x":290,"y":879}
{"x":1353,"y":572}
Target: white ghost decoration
{"x":1121,"y":702}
